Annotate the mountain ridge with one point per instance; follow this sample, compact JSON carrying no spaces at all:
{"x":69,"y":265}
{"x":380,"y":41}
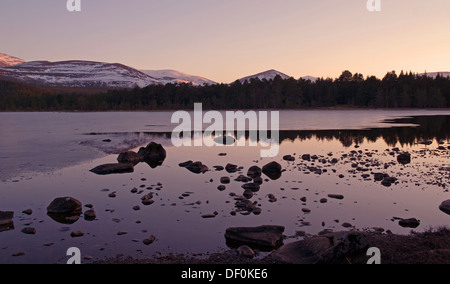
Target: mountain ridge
{"x":8,"y":60}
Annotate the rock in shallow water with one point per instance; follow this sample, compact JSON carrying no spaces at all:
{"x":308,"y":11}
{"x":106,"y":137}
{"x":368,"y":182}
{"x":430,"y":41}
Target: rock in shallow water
{"x":149,"y":241}
{"x":336,"y":196}
{"x":77,"y":234}
{"x":272,"y":170}
{"x":197,"y":168}
{"x":154,"y":154}
{"x":409,"y":223}
{"x":64,"y":205}
{"x":109,"y":169}
{"x":90,"y":215}
{"x":27,"y":212}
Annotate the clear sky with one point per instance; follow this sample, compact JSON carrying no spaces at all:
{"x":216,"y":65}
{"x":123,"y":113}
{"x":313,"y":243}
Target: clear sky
{"x":224,"y":40}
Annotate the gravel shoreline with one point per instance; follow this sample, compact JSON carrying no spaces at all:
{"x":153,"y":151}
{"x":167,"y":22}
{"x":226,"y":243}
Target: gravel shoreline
{"x":431,"y":247}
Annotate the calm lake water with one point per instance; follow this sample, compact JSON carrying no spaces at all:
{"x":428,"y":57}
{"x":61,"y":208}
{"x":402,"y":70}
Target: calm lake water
{"x":49,"y":155}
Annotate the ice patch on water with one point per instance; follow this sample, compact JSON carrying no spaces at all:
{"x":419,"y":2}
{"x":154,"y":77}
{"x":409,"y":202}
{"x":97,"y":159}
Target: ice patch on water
{"x":116,"y":143}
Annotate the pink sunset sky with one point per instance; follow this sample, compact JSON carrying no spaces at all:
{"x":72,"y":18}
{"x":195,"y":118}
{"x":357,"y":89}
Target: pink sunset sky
{"x":226,"y":40}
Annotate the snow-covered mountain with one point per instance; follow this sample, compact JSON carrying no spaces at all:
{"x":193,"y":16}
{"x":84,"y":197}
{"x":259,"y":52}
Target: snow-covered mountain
{"x":77,"y":74}
{"x":310,"y":78}
{"x":434,"y":74}
{"x":268,"y":75}
{"x":176,"y":77}
{"x":6,"y":60}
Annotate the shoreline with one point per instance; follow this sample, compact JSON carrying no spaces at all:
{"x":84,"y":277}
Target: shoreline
{"x":244,"y":109}
{"x":430,"y":247}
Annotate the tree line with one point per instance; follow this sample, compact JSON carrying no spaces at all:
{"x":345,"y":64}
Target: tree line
{"x":406,"y":90}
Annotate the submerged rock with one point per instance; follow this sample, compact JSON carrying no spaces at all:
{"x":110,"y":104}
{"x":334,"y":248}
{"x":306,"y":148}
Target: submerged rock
{"x":109,"y":169}
{"x":264,"y":237}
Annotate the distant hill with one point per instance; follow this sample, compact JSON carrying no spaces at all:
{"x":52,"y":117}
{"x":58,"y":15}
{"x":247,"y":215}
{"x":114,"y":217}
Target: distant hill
{"x":267,"y":75}
{"x":77,"y":74}
{"x":177,"y":77}
{"x":7,"y":60}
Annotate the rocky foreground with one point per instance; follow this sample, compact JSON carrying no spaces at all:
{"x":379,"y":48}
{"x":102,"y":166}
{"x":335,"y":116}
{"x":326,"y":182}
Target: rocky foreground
{"x":431,"y":247}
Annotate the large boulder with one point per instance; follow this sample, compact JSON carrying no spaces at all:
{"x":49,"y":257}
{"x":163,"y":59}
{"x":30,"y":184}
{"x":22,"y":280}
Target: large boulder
{"x":266,"y":238}
{"x":109,"y":169}
{"x":445,"y":207}
{"x":65,"y":210}
{"x":154,"y":154}
{"x":272,"y":170}
{"x":130,"y":157}
{"x":65,"y":205}
{"x":6,"y":221}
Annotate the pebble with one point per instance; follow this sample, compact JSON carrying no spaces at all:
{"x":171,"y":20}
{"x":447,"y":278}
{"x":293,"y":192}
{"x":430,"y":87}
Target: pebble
{"x":149,"y":241}
{"x":29,"y":231}
{"x":27,"y":212}
{"x":77,"y":234}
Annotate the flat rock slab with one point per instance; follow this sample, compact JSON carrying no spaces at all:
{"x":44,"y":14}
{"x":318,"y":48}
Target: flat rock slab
{"x":266,"y":238}
{"x":109,"y":169}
